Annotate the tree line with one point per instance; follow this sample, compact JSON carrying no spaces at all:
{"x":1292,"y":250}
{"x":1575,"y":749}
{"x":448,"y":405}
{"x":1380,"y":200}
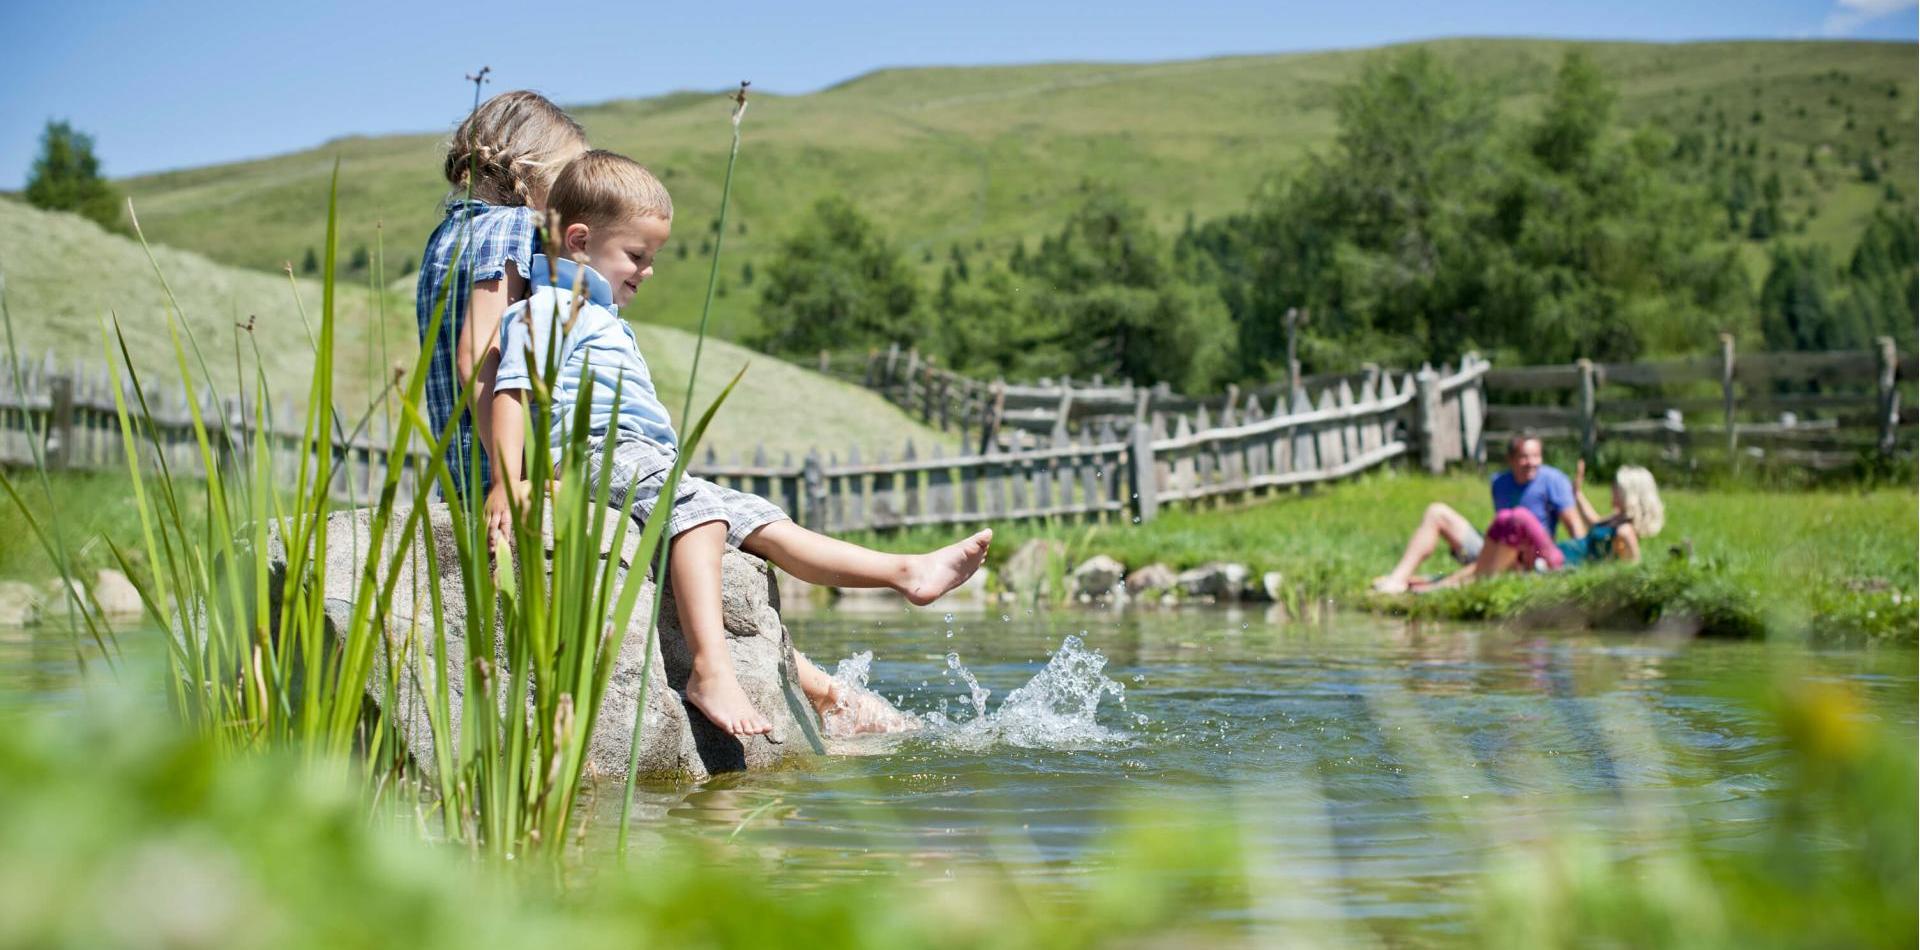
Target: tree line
{"x":1433,"y":226}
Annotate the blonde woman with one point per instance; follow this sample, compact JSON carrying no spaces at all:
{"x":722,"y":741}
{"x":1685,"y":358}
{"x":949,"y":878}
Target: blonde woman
{"x":1517,"y":541}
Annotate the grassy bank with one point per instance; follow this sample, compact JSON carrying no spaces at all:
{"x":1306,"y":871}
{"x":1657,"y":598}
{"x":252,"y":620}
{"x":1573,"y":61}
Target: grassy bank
{"x":1837,"y":563}
{"x":1834,"y":562}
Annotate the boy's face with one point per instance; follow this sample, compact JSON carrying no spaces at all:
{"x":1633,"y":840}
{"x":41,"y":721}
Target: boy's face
{"x":622,"y":253}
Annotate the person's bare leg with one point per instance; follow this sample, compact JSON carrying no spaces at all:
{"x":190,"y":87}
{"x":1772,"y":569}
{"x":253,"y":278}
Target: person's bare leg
{"x":1495,"y":557}
{"x":1440,"y":523}
{"x":693,"y":568}
{"x":818,"y":559}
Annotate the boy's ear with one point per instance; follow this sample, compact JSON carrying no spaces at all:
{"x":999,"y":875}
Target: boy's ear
{"x":574,"y":238}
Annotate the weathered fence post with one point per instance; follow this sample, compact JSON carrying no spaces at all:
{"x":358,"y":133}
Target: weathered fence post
{"x":813,"y":486}
{"x":1146,"y":487}
{"x":873,"y":368}
{"x":1427,"y":418}
{"x":893,"y":358}
{"x":1726,"y":392}
{"x":1589,"y":426}
{"x":59,"y":443}
{"x":990,"y":426}
{"x":1889,"y":403}
{"x":1294,"y":318}
{"x":826,"y":362}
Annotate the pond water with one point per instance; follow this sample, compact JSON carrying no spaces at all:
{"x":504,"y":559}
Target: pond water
{"x":1371,"y":768}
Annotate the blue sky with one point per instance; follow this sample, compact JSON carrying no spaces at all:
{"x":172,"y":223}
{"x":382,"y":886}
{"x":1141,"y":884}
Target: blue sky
{"x":191,"y":83}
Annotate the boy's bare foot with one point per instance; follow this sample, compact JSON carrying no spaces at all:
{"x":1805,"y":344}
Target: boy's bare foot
{"x":936,"y":572}
{"x":718,"y":696}
{"x":852,"y":712}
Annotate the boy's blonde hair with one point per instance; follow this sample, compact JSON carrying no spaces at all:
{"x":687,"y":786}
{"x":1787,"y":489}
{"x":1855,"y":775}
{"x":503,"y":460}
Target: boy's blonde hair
{"x":510,"y":149}
{"x":602,"y":188}
{"x":1640,"y":500}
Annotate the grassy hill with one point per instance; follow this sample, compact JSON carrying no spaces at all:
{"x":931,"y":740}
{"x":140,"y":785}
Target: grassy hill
{"x":63,"y":275}
{"x":986,"y":156}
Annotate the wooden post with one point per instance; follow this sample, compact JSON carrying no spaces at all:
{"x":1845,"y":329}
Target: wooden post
{"x":1146,"y":490}
{"x":873,"y":367}
{"x":1726,"y":392}
{"x":893,"y":358}
{"x":990,"y":426}
{"x":1426,"y":418}
{"x":813,"y":485}
{"x":1294,"y":318}
{"x":826,"y":362}
{"x":1589,"y":426}
{"x":59,"y":444}
{"x":1889,"y":394}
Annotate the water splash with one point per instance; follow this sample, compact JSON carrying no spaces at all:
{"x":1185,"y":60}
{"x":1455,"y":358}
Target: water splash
{"x":1057,"y":709}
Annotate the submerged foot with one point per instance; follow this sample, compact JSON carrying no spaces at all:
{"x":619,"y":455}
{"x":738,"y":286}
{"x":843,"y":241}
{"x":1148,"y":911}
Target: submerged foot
{"x":718,"y":696}
{"x":937,"y":572}
{"x":848,"y":711}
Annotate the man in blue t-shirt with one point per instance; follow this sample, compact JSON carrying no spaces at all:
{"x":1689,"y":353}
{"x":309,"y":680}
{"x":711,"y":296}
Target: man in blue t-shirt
{"x":1527,"y":483}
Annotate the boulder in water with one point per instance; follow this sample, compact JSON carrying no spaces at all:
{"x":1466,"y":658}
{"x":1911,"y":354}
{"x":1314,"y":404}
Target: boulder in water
{"x":677,"y":741}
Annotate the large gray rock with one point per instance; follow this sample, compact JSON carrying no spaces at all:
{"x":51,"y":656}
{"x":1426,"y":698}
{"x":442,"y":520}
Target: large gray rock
{"x":1099,"y":577}
{"x":677,"y":741}
{"x":1221,"y":580}
{"x":19,"y":604}
{"x":1027,"y":572}
{"x":115,"y":595}
{"x":1151,"y":579}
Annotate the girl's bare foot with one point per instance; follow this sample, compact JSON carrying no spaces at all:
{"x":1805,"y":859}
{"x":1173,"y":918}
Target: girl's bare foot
{"x":1387,"y":584}
{"x":718,"y":696}
{"x":935,"y":573}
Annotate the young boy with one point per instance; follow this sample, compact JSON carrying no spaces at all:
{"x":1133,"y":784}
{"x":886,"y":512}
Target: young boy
{"x":616,"y":216}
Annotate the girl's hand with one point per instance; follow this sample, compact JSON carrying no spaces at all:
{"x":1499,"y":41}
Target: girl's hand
{"x":501,"y":500}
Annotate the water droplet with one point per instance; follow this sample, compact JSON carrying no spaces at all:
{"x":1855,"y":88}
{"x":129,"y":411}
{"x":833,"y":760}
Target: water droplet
{"x":949,"y":618}
{"x":1005,"y":619}
{"x":1136,"y":519}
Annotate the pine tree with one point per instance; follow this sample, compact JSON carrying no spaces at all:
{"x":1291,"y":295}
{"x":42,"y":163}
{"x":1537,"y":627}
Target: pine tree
{"x":66,"y":177}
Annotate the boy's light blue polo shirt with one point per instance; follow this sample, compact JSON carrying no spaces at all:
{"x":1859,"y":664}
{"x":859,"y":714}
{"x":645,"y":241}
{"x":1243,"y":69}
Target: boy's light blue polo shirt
{"x":600,"y":344}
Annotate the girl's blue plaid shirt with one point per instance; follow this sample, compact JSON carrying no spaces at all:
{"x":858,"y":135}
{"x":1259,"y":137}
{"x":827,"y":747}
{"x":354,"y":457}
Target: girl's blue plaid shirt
{"x":474,"y":241}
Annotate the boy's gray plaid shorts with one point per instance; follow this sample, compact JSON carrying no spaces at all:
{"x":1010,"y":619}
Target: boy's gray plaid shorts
{"x":643,"y":466}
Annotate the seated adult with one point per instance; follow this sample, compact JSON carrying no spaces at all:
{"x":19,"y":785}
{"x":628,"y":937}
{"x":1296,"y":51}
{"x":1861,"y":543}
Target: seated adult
{"x":1517,"y":541}
{"x":1528,"y":483}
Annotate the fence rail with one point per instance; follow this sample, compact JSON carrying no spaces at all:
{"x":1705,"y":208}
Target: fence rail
{"x":1103,"y":466}
{"x":1820,"y":409}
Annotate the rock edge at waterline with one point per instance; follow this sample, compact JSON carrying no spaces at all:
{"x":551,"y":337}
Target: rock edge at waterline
{"x":677,"y":742}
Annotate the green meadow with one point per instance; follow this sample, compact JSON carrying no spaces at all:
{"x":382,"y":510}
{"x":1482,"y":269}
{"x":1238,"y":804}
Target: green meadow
{"x":988,"y":156}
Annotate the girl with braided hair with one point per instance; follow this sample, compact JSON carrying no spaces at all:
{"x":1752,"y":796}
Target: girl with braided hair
{"x":500,"y":163}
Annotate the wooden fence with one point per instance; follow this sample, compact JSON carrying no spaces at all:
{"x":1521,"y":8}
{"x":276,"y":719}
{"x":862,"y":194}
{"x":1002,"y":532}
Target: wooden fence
{"x":988,"y":412}
{"x":1097,"y":470}
{"x":1818,"y":409}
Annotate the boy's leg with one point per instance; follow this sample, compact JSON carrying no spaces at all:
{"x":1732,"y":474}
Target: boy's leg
{"x":693,"y":568}
{"x":818,"y":559}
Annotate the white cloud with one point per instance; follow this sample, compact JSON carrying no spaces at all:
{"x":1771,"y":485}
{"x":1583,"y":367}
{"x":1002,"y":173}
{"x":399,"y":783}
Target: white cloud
{"x":1849,"y":15}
